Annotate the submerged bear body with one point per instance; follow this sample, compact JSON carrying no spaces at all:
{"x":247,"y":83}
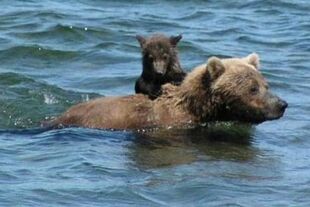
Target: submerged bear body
{"x":125,"y":112}
{"x":222,"y":90}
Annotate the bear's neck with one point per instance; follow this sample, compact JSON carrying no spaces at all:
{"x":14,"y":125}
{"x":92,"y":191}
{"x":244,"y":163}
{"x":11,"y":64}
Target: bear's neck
{"x":196,"y":97}
{"x":201,"y":105}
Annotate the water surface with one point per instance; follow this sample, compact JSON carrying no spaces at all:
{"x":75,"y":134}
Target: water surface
{"x":54,"y":54}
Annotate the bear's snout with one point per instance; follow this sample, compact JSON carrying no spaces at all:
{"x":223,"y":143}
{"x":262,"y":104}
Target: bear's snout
{"x":275,"y":107}
{"x":282,"y":105}
{"x":159,"y":68}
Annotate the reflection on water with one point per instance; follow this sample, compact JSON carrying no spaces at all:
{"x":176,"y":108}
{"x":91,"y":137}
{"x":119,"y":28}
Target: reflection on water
{"x":168,"y":147}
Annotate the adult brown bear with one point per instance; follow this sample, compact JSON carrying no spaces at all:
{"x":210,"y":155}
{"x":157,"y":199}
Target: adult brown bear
{"x":223,"y":90}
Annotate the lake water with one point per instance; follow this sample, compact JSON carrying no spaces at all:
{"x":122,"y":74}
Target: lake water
{"x":56,"y":53}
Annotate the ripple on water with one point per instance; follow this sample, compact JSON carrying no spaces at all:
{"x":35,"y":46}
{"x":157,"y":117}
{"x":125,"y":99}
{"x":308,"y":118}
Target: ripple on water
{"x":57,"y":53}
{"x":36,"y":52}
{"x":26,"y":102}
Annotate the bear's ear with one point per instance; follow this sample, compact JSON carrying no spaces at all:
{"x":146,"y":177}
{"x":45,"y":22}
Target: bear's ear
{"x":175,"y":39}
{"x":253,"y":59}
{"x":215,"y":68}
{"x":141,"y":40}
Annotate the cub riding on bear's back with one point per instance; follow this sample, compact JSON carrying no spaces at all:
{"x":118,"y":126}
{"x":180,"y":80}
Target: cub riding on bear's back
{"x":160,"y":64}
{"x":223,"y":90}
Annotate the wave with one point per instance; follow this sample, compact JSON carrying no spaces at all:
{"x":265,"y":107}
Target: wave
{"x":25,"y":102}
{"x":35,"y":51}
{"x":277,"y":5}
{"x":72,"y":32}
{"x":263,"y":41}
{"x":195,"y":16}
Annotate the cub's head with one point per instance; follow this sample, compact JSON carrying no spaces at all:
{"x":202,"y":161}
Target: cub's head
{"x":159,"y":53}
{"x":239,"y":90}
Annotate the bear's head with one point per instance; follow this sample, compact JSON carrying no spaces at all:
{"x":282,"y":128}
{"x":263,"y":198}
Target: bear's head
{"x":242,"y":90}
{"x":159,"y":54}
{"x":232,"y":89}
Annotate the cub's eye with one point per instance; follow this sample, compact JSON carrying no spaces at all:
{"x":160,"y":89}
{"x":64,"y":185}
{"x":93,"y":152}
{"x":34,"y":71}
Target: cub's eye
{"x":254,"y":90}
{"x":165,"y":57}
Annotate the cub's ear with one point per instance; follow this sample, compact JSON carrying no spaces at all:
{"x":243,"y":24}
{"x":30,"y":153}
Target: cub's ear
{"x":215,"y":67}
{"x":141,"y":40}
{"x":253,"y":59}
{"x":175,"y":39}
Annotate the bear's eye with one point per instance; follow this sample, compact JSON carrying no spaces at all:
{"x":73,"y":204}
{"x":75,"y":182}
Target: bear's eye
{"x":254,"y":90}
{"x":151,"y":58}
{"x":165,"y":56}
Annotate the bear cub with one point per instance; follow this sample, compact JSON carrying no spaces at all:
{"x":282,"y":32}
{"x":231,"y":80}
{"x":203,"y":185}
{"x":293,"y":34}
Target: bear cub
{"x":160,"y":64}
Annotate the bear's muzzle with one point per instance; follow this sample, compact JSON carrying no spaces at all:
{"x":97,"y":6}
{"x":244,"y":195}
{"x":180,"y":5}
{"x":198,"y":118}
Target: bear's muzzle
{"x":275,"y":107}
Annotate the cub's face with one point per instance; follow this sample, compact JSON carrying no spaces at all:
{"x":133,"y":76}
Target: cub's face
{"x":244,"y":93}
{"x":158,"y":53}
{"x":157,"y":56}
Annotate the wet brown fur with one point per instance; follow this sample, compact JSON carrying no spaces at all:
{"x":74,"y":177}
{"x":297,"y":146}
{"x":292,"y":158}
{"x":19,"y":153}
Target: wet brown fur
{"x":219,"y":91}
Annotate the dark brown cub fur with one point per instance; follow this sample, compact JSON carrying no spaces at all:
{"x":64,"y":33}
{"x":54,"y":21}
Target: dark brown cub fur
{"x":160,"y":64}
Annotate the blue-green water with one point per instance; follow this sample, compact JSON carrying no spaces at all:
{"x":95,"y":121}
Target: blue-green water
{"x":54,"y":54}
